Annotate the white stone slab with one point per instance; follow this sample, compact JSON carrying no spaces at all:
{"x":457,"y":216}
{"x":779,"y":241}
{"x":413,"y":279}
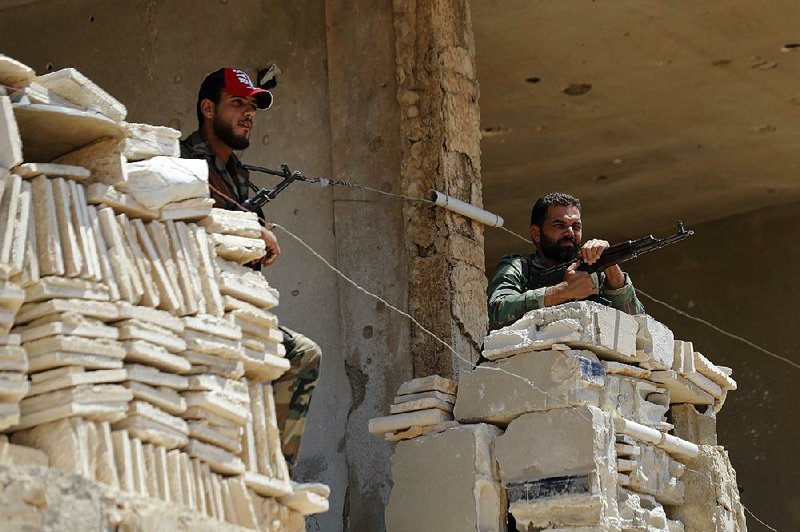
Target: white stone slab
{"x":656,"y":342}
{"x":10,"y":140}
{"x":228,"y":222}
{"x":150,"y":315}
{"x":48,"y":239}
{"x":145,"y":141}
{"x":153,"y":377}
{"x":155,"y":355}
{"x":70,"y":380}
{"x":218,"y":459}
{"x":428,"y":384}
{"x":161,"y":180}
{"x":381,"y":425}
{"x":106,"y":195}
{"x":49,"y":132}
{"x":68,"y":171}
{"x":14,"y":73}
{"x":80,"y":90}
{"x":100,"y":310}
{"x":191,"y":209}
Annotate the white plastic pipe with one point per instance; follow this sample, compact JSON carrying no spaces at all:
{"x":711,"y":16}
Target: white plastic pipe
{"x":677,"y":447}
{"x":465,"y":209}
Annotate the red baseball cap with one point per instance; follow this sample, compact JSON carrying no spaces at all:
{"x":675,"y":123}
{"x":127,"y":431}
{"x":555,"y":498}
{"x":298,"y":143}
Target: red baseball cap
{"x":235,"y":82}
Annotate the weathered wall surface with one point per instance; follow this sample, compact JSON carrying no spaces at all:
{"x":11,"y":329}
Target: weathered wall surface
{"x":740,"y":274}
{"x":438,"y":95}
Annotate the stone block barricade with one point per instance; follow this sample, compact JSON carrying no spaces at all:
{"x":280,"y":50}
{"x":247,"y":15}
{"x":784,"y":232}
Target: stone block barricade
{"x":136,"y":349}
{"x":582,"y":418}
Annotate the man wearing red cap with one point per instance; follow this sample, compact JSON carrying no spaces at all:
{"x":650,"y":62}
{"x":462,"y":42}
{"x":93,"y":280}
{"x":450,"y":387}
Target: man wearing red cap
{"x":226,"y":107}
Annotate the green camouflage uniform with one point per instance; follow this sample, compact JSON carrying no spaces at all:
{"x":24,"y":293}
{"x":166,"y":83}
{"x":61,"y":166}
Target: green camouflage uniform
{"x":511,"y":295}
{"x":294,"y":388}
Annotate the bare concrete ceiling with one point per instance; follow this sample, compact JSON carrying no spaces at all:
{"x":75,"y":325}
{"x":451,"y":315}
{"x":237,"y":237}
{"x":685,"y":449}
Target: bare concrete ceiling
{"x":678,"y":109}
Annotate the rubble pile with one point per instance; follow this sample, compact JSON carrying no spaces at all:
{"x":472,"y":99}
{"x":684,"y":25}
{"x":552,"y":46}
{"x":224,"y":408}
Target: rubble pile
{"x":581,"y":418}
{"x":136,"y":349}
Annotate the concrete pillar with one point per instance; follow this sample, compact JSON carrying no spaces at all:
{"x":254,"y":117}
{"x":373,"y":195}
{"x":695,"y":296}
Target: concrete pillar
{"x":440,"y":140}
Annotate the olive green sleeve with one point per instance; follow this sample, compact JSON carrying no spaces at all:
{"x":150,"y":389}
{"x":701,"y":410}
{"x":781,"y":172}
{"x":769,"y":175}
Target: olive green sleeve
{"x":623,"y":298}
{"x":508,"y":297}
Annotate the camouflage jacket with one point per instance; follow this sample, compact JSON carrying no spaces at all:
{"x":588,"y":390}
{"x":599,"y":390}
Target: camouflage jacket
{"x":231,"y":179}
{"x":510,"y":296}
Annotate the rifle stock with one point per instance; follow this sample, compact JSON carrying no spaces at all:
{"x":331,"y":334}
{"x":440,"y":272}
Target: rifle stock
{"x":613,"y":255}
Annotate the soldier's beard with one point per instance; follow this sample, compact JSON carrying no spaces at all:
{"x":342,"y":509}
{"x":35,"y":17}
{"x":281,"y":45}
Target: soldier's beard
{"x":553,"y":250}
{"x":225,"y":133}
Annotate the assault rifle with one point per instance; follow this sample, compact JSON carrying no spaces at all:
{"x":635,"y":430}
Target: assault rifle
{"x":612,"y":256}
{"x":264,"y":196}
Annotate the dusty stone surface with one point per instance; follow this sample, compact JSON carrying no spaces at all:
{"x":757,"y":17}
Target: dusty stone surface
{"x":694,"y":426}
{"x":145,"y":141}
{"x":161,"y":180}
{"x":447,"y":481}
{"x":711,"y":501}
{"x":46,"y":499}
{"x":80,"y":90}
{"x":636,"y":399}
{"x":608,"y":332}
{"x":498,"y":392}
{"x":656,"y":341}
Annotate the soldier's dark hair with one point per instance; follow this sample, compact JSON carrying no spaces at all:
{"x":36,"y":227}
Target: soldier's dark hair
{"x":539,"y":211}
{"x":214,"y":97}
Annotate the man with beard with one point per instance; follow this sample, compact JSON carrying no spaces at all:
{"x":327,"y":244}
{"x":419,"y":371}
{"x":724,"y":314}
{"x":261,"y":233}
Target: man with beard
{"x":226,"y":107}
{"x":556,"y":232}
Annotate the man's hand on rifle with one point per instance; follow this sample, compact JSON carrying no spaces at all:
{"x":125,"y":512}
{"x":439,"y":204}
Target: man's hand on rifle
{"x":591,"y":251}
{"x":273,"y":249}
{"x":576,"y":285}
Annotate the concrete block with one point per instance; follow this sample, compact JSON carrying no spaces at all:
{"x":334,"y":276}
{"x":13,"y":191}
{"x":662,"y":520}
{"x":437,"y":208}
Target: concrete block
{"x":637,"y":400}
{"x":144,"y":141}
{"x":680,"y":389}
{"x":106,"y":196}
{"x":204,"y":431}
{"x":75,"y":344}
{"x":174,"y":477}
{"x":245,"y":284}
{"x":48,"y":237}
{"x":140,"y":481}
{"x":653,"y":472}
{"x":586,"y":325}
{"x":63,"y":288}
{"x":219,"y":460}
{"x":711,"y":500}
{"x":186,"y":267}
{"x":683,"y":357}
{"x":76,"y":377}
{"x":73,"y":255}
{"x":12,"y":454}
{"x":212,"y":325}
{"x":447,"y":481}
{"x":239,"y":249}
{"x":498,"y":392}
{"x":191,"y":209}
{"x":105,"y":468}
{"x":154,"y":377}
{"x":103,"y":157}
{"x":78,"y":89}
{"x":68,"y":171}
{"x":10,"y":205}
{"x":655,"y":343}
{"x":135,"y":330}
{"x":10,"y":141}
{"x":104,"y":259}
{"x":694,"y":426}
{"x":59,"y":440}
{"x":242,"y":502}
{"x":419,"y":430}
{"x":267,"y":486}
{"x":207,"y":270}
{"x":15,"y":74}
{"x":23,"y":227}
{"x":428,"y":384}
{"x":227,"y":222}
{"x":123,"y":460}
{"x":161,"y":180}
{"x":398,"y":422}
{"x":166,"y":399}
{"x":706,"y":368}
{"x":421,"y":404}
{"x":100,"y":310}
{"x":144,"y":275}
{"x":559,"y":468}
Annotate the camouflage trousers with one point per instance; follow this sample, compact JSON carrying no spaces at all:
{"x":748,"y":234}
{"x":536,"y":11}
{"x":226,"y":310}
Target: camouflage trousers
{"x":293,"y":390}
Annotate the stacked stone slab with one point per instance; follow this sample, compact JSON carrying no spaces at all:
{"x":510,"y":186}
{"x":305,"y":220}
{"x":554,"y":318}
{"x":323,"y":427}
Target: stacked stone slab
{"x":603,"y":422}
{"x":130,"y":352}
{"x":421,"y":406}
